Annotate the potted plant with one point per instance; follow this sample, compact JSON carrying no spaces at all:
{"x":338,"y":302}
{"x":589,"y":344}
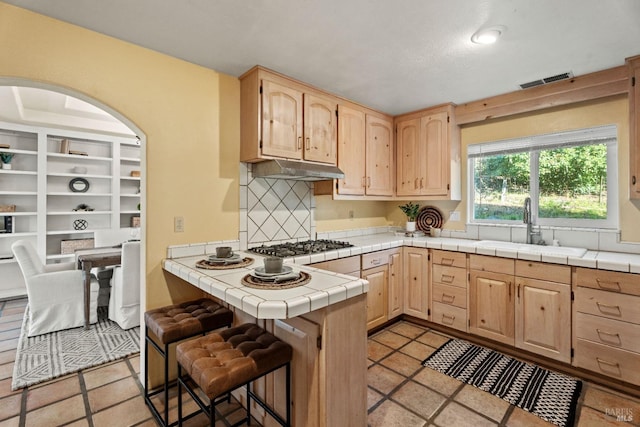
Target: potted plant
{"x":411,"y":211}
{"x":6,"y":160}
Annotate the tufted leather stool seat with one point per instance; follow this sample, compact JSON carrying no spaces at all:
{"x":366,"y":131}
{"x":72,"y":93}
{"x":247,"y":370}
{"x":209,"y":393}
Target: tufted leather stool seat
{"x":175,"y":323}
{"x":220,"y":362}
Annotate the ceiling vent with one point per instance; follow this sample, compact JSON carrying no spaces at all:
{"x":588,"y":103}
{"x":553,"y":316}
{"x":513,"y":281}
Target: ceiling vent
{"x":547,"y":80}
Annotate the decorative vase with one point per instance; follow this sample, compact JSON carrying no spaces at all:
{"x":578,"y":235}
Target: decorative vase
{"x":411,"y":226}
{"x":6,"y":166}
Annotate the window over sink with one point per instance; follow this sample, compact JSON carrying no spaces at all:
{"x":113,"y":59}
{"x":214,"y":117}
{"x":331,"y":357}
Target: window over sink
{"x":570,"y":176}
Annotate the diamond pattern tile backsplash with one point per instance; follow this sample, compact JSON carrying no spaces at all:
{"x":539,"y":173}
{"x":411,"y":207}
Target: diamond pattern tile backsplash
{"x":274,"y":210}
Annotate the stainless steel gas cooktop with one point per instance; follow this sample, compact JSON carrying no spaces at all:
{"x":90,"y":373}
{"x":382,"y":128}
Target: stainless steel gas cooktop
{"x":284,"y":250}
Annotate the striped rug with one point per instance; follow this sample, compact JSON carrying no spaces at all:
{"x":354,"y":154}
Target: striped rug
{"x":549,"y":395}
{"x":49,"y":356}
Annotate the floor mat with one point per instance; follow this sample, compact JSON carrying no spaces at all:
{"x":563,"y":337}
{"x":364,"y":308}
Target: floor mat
{"x":549,"y":395}
{"x":44,"y":357}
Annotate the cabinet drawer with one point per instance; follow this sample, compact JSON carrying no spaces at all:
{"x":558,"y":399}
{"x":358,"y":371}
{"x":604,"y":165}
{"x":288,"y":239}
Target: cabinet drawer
{"x":453,"y":276}
{"x":626,"y":283}
{"x":452,"y":259}
{"x":608,"y":304}
{"x":491,"y":263}
{"x":609,"y":361}
{"x":451,"y":316}
{"x":451,"y":295}
{"x":375,"y":259}
{"x":609,"y":332}
{"x":543,"y":271}
{"x":342,"y":265}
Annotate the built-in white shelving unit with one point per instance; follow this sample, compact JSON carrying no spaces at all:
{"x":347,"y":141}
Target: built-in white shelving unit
{"x":48,"y":210}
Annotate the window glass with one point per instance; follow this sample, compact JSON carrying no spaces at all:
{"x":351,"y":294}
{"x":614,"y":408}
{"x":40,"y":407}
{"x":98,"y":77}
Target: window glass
{"x":571,"y":178}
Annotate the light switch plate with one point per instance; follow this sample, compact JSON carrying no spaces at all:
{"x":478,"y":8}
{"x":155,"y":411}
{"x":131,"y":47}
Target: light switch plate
{"x":454,"y":216}
{"x":178,"y":224}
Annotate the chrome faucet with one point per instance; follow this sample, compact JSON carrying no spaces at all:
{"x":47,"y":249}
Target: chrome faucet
{"x":527,"y":219}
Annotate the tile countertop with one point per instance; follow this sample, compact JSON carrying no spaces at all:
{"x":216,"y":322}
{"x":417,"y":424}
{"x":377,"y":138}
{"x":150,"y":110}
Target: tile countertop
{"x":326,"y":288}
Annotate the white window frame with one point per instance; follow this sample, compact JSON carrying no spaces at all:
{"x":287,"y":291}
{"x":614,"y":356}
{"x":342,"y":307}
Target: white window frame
{"x":534,"y":144}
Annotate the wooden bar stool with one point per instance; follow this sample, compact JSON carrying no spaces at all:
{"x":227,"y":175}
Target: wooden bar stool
{"x":220,"y":362}
{"x":175,"y":323}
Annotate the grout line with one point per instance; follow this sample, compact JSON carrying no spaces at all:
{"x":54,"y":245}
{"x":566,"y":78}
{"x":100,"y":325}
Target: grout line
{"x":85,"y":398}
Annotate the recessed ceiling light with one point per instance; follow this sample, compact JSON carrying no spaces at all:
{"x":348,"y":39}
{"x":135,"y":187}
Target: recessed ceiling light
{"x":488,"y":35}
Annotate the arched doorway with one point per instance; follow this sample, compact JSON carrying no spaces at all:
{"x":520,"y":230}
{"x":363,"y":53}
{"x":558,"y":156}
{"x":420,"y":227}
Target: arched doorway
{"x":44,"y":106}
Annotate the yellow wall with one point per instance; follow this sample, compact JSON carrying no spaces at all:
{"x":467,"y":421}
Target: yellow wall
{"x":334,"y":214}
{"x":189,"y":114}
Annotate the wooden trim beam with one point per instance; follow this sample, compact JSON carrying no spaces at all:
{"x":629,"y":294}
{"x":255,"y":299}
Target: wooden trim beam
{"x":601,"y":84}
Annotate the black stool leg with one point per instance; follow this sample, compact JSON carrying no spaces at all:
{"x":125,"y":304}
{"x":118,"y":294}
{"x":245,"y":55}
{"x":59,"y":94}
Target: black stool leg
{"x":288,"y":388}
{"x":166,"y":384}
{"x":248,"y":403}
{"x":179,"y":396}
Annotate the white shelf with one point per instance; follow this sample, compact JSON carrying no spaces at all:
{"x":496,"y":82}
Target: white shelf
{"x":129,"y":159}
{"x":18,"y":213}
{"x":17,"y":172}
{"x":130,"y":178}
{"x":130,"y":195}
{"x":60,"y":232}
{"x":70,"y":193}
{"x":18,"y":193}
{"x":8,"y":235}
{"x":76,"y":175}
{"x":80,"y":213}
{"x":16,"y":151}
{"x":130,"y":212}
{"x":78,"y":157}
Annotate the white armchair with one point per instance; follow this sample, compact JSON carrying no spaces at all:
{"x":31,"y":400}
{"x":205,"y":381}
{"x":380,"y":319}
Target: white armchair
{"x":124,"y":303}
{"x":55,"y":292}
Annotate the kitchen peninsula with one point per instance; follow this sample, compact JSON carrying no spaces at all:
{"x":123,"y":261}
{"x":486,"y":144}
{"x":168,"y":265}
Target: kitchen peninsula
{"x":324,"y":320}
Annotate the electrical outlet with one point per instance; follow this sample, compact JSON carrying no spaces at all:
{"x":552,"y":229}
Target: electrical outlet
{"x":178,"y":224}
{"x":454,"y":216}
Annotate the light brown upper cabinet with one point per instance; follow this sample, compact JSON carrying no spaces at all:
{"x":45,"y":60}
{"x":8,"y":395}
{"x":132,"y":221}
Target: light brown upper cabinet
{"x":634,"y":125}
{"x":428,"y":154}
{"x":365,"y":152}
{"x":283,"y":118}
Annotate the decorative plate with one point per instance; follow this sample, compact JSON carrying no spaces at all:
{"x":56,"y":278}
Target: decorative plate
{"x":428,"y":217}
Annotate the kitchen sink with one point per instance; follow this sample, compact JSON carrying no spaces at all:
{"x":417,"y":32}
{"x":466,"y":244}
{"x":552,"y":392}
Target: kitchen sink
{"x":533,"y":249}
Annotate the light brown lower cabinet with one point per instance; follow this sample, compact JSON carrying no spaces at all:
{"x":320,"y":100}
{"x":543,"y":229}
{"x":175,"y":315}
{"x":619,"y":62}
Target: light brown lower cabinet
{"x":491,"y":306}
{"x":377,"y":299}
{"x":543,"y":318}
{"x":396,"y":288}
{"x":606,"y":323}
{"x":416,"y":282}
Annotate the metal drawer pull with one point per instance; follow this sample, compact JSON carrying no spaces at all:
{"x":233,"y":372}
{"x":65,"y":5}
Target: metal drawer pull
{"x":614,"y":286}
{"x":299,"y":142}
{"x":447,"y":316}
{"x":447,"y":278}
{"x":612,"y":307}
{"x":606,"y":362}
{"x":449,"y":297}
{"x":447,"y":261}
{"x":376,"y":261}
{"x":308,"y":144}
{"x":612,"y":334}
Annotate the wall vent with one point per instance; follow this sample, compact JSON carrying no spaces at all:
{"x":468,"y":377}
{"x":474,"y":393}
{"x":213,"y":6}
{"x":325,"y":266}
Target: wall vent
{"x":546,"y":80}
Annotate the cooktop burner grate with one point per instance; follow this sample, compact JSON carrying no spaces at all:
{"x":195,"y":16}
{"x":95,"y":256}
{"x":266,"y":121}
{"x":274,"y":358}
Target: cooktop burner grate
{"x":284,"y":250}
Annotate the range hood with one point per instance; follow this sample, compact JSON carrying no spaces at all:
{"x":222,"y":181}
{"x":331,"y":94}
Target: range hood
{"x":290,"y":169}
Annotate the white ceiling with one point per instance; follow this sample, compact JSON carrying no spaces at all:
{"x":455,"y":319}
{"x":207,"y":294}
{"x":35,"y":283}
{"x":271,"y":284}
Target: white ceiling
{"x":395,"y":56}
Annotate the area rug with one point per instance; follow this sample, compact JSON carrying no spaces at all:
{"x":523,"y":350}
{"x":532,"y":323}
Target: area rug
{"x":44,"y":357}
{"x":549,"y":395}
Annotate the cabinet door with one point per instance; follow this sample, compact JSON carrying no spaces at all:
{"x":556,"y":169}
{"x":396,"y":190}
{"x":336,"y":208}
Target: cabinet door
{"x":302,"y":335}
{"x":435,"y":143}
{"x":377,"y":296}
{"x":379,"y":156}
{"x":491,"y":306}
{"x":320,"y":129}
{"x":351,"y":151}
{"x":634,"y":126}
{"x":281,"y":121}
{"x":543,"y":318}
{"x":396,"y":297}
{"x":416,"y":282}
{"x":408,"y":155}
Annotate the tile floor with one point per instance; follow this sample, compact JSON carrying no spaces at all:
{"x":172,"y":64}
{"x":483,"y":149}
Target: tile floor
{"x":401,"y":392}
